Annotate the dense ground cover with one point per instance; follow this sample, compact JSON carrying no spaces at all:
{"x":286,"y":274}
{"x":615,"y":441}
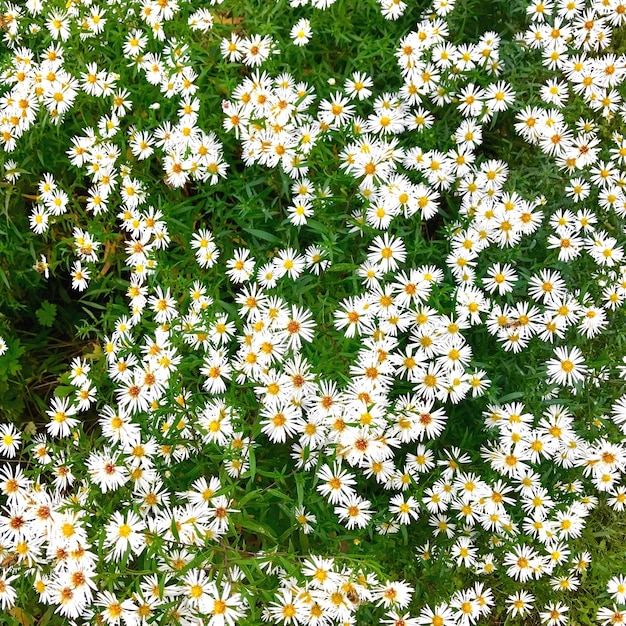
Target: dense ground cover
{"x":312,"y":312}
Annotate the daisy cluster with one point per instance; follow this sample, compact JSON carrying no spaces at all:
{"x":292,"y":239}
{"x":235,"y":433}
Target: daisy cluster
{"x":270,"y":118}
{"x":435,"y":68}
{"x":390,"y":9}
{"x":157,"y":497}
{"x":39,"y":83}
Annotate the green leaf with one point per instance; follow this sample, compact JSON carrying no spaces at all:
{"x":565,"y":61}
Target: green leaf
{"x":318,"y":227}
{"x":247,"y":523}
{"x":342,"y":267}
{"x":46,"y":313}
{"x":174,"y":529}
{"x":300,"y":488}
{"x":63,"y":391}
{"x":252,"y":460}
{"x":515,"y":395}
{"x":261,"y":234}
{"x":45,"y":618}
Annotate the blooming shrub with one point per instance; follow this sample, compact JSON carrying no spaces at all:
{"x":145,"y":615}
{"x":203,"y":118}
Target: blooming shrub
{"x":312,"y":312}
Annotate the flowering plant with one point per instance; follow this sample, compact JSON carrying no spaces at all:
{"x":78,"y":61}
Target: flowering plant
{"x":312,"y":312}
